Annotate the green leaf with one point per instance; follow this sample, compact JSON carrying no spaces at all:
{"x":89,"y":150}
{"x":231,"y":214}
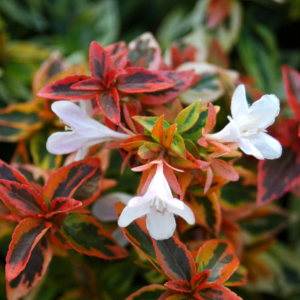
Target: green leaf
{"x":263,"y":63}
{"x":188,"y":117}
{"x":195,"y":132}
{"x":178,"y":145}
{"x":149,"y":122}
{"x":235,"y":195}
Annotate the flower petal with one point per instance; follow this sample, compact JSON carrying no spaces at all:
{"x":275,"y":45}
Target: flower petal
{"x":104,"y":208}
{"x":160,"y":226}
{"x":118,"y":235}
{"x":239,"y":104}
{"x":159,"y":184}
{"x":130,"y":213}
{"x":269,"y":147}
{"x":230,"y":133}
{"x":81,"y":153}
{"x":72,"y":115}
{"x":87,"y":131}
{"x":261,"y":114}
{"x":247,"y":147}
{"x":179,"y":208}
{"x":64,"y":142}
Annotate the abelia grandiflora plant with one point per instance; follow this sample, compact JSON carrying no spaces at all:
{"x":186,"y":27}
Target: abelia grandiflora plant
{"x":130,"y":103}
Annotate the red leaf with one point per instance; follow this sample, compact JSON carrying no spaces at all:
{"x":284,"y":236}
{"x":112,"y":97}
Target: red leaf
{"x":100,"y":61}
{"x":291,"y":79}
{"x":172,"y":180}
{"x":108,"y":102}
{"x":61,"y":89}
{"x":211,"y":119}
{"x":199,"y":280}
{"x":276,"y":177}
{"x":158,"y":129}
{"x":117,"y":53}
{"x":62,"y":204}
{"x":59,"y":240}
{"x":89,"y":190}
{"x":33,"y":273}
{"x":174,"y":258}
{"x":182,"y":81}
{"x":9,"y":173}
{"x":89,"y":85}
{"x":138,"y":80}
{"x":181,"y":54}
{"x":218,"y":11}
{"x":223,"y":169}
{"x":179,"y":286}
{"x":216,"y":292}
{"x":168,"y":135}
{"x":21,"y":197}
{"x":25,"y":237}
{"x":68,"y":178}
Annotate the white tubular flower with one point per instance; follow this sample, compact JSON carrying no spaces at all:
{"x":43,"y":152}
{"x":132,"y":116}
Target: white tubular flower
{"x":247,"y":125}
{"x":159,"y":206}
{"x":104,"y":208}
{"x":83,"y":133}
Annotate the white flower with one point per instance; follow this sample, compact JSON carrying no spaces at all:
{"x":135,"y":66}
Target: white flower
{"x":247,"y":125}
{"x":83,"y":133}
{"x":104,"y":210}
{"x":159,"y":206}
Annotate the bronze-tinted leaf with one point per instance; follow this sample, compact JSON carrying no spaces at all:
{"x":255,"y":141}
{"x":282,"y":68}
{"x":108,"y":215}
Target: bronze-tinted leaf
{"x":174,"y":258}
{"x":27,"y":234}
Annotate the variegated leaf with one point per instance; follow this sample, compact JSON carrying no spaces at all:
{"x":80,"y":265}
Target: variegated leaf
{"x":216,"y":292}
{"x":139,"y":80}
{"x":195,"y":132}
{"x":86,"y":235}
{"x":61,"y":89}
{"x":174,"y":258}
{"x":144,"y":52}
{"x":188,"y":117}
{"x":219,"y":257}
{"x":20,"y":197}
{"x":9,"y":173}
{"x":99,"y":60}
{"x":182,"y":82}
{"x":208,"y":212}
{"x":64,"y":181}
{"x":151,"y":292}
{"x":35,"y":269}
{"x":26,"y":235}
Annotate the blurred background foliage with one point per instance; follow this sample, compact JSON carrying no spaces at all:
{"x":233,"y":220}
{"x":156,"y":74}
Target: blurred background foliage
{"x":30,"y":30}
